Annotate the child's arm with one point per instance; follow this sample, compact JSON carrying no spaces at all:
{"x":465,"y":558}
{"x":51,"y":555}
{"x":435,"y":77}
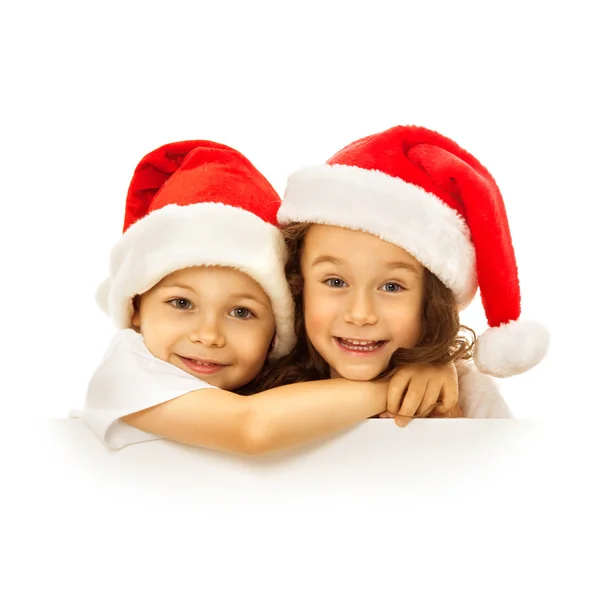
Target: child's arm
{"x":272,"y":420}
{"x":422,"y":390}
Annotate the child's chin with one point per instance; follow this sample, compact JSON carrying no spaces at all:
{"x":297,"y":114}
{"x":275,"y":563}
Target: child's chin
{"x":359,"y":372}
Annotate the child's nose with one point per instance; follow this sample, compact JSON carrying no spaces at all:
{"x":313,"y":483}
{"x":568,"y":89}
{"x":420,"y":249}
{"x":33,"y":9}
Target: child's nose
{"x":361,"y":310}
{"x":208,"y":333}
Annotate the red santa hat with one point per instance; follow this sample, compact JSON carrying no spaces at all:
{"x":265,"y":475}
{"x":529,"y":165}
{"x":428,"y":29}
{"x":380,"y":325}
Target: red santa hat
{"x":197,"y":203}
{"x":419,"y":190}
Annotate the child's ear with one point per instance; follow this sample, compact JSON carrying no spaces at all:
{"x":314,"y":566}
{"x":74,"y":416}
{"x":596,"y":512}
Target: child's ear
{"x":135,"y":319}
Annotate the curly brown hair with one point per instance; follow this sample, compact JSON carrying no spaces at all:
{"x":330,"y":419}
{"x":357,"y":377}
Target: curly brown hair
{"x":443,"y":339}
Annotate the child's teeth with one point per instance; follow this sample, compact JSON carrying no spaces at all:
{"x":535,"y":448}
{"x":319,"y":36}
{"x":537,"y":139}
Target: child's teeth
{"x":366,"y":346}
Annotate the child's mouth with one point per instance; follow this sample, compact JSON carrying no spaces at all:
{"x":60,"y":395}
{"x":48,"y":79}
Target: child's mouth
{"x":360,"y":347}
{"x":204,"y":367}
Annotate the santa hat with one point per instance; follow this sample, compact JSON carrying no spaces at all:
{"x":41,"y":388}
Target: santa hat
{"x":419,"y":190}
{"x":197,"y":203}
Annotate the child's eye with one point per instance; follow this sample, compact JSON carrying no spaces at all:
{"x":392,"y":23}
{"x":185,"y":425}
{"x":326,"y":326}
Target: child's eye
{"x":390,"y":286}
{"x":335,"y":282}
{"x":239,"y":312}
{"x":180,"y":303}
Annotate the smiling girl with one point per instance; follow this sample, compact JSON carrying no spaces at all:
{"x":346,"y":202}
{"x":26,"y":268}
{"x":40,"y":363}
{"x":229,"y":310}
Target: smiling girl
{"x":197,"y":287}
{"x":388,"y":241}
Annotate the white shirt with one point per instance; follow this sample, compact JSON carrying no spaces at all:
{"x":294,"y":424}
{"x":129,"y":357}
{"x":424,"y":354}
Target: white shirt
{"x":479,"y":395}
{"x":129,"y":379}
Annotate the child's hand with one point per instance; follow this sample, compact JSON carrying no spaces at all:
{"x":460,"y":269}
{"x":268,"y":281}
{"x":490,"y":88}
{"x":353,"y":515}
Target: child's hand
{"x":420,"y":390}
{"x":455,"y":413}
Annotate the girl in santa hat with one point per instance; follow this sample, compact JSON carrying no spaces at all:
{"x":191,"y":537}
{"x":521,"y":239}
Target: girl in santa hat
{"x":388,"y":241}
{"x":198,"y":289}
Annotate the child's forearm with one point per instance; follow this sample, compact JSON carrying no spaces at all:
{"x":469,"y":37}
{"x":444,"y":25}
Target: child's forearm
{"x":290,"y":415}
{"x":273,"y":420}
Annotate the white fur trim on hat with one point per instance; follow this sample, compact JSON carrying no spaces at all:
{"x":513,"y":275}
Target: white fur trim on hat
{"x":392,"y":209}
{"x":176,"y":237}
{"x":512,"y":348}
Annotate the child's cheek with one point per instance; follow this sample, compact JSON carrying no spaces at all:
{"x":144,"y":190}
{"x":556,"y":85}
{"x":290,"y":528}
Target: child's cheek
{"x":318,"y":311}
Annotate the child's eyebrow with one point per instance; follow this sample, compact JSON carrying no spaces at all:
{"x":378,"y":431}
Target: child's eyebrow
{"x":179,"y":285}
{"x":246,"y":296}
{"x":402,"y":265}
{"x":390,"y":265}
{"x":324,"y":259}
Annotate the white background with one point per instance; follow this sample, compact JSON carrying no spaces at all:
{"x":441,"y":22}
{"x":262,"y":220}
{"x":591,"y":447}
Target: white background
{"x":88,"y":89}
{"x":91,"y":89}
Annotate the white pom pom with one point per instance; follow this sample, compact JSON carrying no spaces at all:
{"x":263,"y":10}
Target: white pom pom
{"x":512,"y":348}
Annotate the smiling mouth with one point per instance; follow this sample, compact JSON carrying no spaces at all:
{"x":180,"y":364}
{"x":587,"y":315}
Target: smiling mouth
{"x":202,"y":366}
{"x":361,"y":346}
{"x":201,"y":361}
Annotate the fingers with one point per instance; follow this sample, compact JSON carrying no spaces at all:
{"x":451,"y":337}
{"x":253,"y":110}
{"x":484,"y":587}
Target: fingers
{"x":386,"y":415}
{"x":396,"y":390}
{"x":412,"y":400}
{"x":424,"y":414}
{"x":430,"y":399}
{"x":429,"y":403}
{"x":448,"y":396}
{"x":455,"y":413}
{"x":421,"y":391}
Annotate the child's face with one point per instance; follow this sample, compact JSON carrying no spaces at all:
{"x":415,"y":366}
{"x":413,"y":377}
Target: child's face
{"x":362,"y":299}
{"x":215,"y":323}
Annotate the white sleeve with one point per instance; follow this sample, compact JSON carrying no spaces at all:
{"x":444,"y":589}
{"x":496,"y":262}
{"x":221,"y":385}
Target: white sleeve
{"x":130,"y":379}
{"x":479,"y":395}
